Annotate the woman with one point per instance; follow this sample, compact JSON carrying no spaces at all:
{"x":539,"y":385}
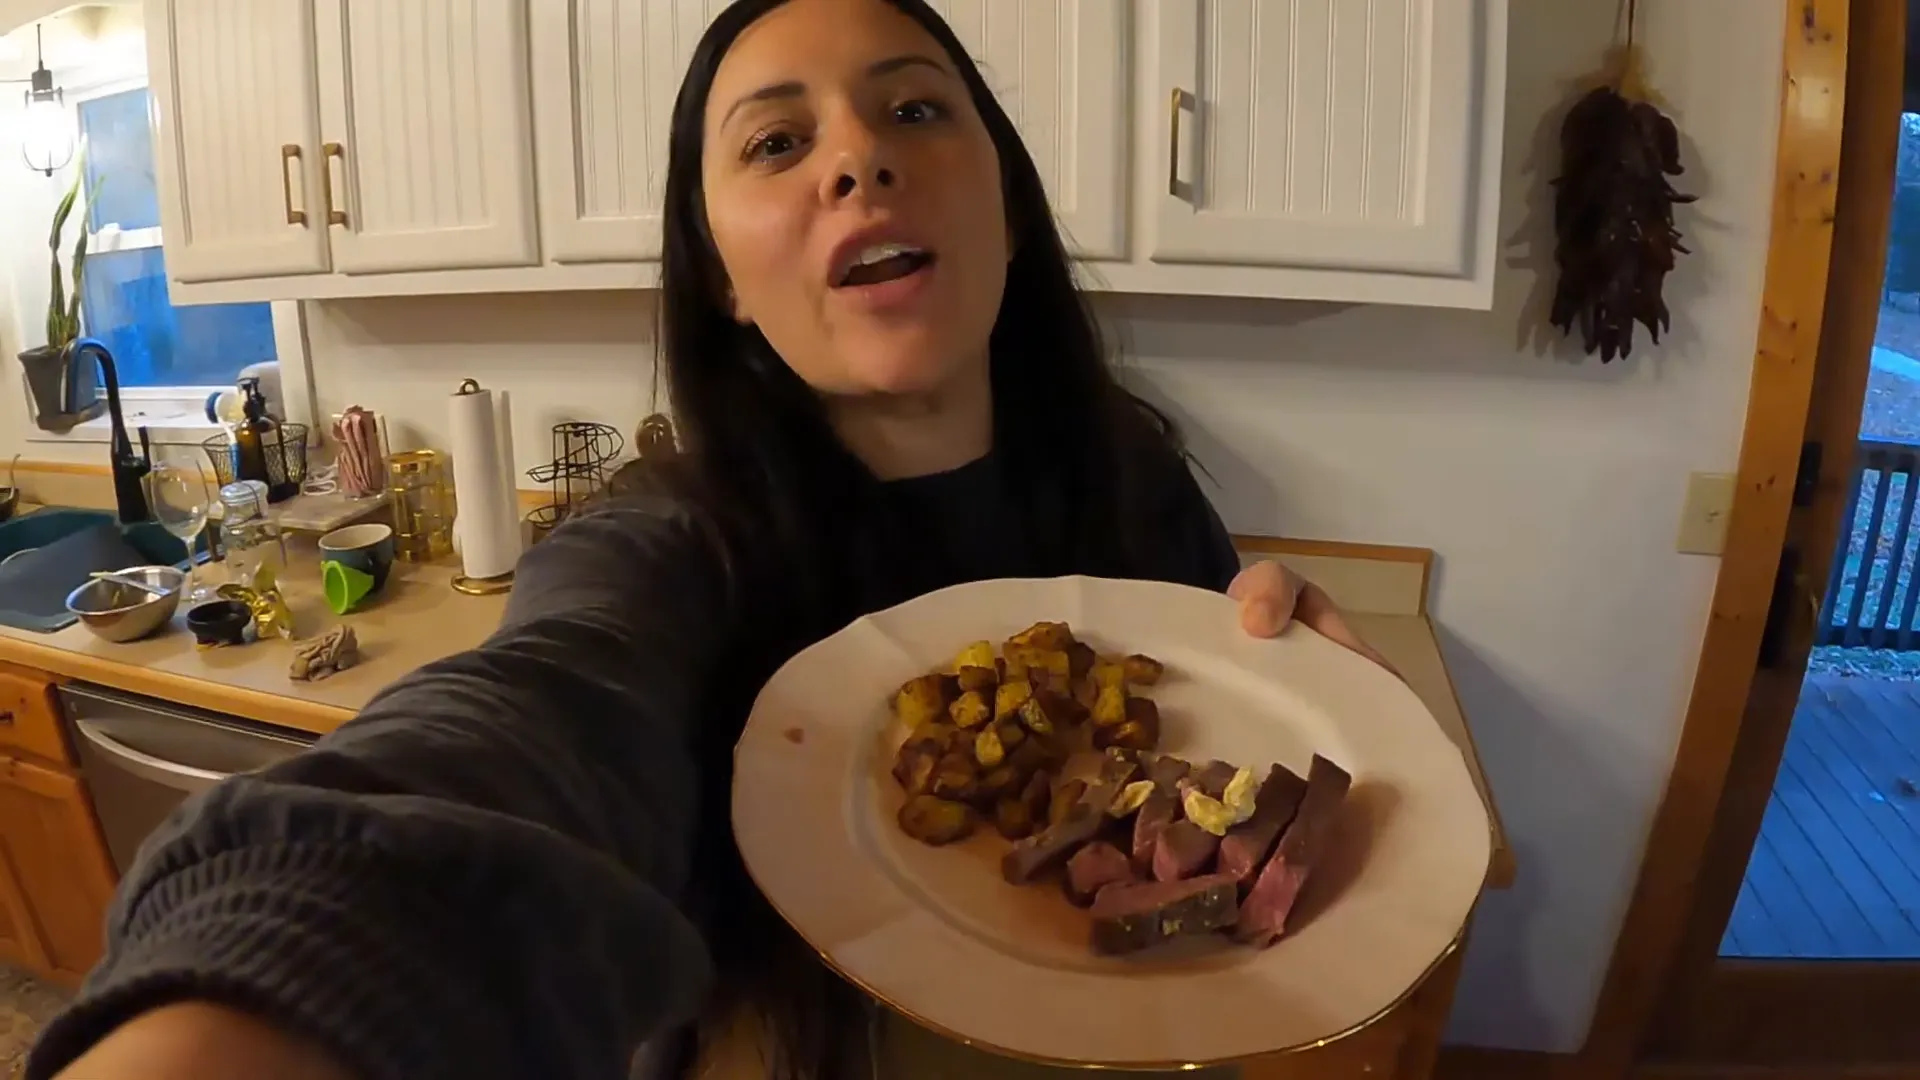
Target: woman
{"x":885,"y":383}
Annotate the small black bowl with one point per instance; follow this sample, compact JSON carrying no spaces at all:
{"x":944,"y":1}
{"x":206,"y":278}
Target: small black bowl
{"x":219,"y":622}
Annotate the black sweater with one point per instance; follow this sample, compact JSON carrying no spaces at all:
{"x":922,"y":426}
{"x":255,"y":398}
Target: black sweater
{"x":485,"y":874}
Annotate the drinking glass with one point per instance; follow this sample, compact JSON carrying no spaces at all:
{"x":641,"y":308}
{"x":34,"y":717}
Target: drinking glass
{"x":180,"y":496}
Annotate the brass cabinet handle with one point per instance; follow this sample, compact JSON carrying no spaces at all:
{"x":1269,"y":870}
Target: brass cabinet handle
{"x":289,"y":157}
{"x":1173,"y":143}
{"x":329,"y":151}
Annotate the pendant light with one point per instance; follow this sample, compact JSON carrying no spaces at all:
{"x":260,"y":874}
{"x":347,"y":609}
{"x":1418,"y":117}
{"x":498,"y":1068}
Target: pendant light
{"x":47,"y":136}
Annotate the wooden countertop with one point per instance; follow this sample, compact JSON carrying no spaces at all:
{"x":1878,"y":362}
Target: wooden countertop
{"x":417,"y":619}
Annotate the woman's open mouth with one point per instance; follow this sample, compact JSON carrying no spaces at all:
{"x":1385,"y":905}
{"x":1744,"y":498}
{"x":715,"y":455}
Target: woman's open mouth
{"x":883,"y":263}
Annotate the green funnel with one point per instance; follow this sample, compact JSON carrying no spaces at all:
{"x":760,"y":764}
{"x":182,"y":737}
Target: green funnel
{"x":345,"y":586}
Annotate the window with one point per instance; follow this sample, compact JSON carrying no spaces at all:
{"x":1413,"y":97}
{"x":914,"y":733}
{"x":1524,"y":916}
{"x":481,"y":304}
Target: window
{"x":124,"y":298}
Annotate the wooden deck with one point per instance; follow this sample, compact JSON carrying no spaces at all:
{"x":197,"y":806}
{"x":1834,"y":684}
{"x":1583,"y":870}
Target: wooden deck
{"x":1836,"y":873}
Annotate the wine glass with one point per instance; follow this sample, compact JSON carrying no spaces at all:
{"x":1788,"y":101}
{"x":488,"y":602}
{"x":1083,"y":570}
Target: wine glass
{"x":180,"y":497}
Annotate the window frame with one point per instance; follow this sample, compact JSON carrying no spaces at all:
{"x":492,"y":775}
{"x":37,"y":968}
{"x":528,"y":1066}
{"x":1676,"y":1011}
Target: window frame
{"x":178,"y":413}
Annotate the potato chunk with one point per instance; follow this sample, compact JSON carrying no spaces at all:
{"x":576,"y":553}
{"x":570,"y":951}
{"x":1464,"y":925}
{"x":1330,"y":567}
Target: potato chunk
{"x":971,"y":710}
{"x":936,"y":821}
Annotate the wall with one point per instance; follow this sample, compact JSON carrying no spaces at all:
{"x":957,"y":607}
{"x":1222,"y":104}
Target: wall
{"x":1550,"y":487}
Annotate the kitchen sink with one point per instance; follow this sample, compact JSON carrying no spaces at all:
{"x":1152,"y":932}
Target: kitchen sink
{"x":48,"y":553}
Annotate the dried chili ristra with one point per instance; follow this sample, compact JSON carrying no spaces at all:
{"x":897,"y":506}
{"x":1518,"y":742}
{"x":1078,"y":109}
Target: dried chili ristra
{"x":1615,"y":237}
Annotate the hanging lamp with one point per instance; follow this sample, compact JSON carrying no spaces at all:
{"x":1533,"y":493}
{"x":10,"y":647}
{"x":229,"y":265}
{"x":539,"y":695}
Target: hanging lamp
{"x":47,"y":135}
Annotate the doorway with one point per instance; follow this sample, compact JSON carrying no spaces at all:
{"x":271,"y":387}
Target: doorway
{"x":1835,"y":872}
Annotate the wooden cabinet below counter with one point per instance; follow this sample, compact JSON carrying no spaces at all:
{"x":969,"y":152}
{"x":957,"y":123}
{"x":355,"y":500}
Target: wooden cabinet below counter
{"x":55,"y":877}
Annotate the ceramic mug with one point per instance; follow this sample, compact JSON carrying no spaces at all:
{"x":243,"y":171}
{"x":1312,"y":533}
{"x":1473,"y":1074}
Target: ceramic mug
{"x":366,"y":548}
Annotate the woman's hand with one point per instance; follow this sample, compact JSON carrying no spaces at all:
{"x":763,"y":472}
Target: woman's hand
{"x":1271,"y":596}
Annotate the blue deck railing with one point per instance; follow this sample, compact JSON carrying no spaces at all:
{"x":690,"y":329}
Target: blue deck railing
{"x":1871,"y":598}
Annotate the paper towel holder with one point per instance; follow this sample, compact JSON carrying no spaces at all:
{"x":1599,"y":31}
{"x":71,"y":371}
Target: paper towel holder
{"x":472,"y":586}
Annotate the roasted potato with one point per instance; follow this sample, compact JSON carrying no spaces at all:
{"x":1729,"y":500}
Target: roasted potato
{"x":913,"y":767}
{"x":1080,"y":660}
{"x":1013,"y":818}
{"x":1143,"y":670}
{"x":970,"y":710}
{"x":936,"y":821}
{"x":1011,"y":734}
{"x":922,"y":700}
{"x":955,"y":777}
{"x":1028,"y":659}
{"x":1008,"y":698}
{"x":978,"y":679}
{"x":1110,"y":708}
{"x":997,"y":784}
{"x":1086,"y":692}
{"x":1037,"y":753}
{"x":1140,"y":730}
{"x":979,"y":654}
{"x":1105,"y":673}
{"x":988,"y":750}
{"x":1052,"y":636}
{"x":1034,"y":715}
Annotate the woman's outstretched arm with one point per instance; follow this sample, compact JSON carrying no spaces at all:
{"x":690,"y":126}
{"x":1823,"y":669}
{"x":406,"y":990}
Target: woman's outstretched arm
{"x":474,"y":878}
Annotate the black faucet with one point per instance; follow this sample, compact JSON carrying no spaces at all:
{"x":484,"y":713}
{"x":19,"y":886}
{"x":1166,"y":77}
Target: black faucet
{"x":129,"y":469}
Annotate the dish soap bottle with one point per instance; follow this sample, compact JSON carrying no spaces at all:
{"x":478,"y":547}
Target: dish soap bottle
{"x":250,"y":435}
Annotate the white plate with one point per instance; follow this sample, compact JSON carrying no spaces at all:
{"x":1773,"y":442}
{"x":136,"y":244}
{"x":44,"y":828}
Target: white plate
{"x":935,"y":934}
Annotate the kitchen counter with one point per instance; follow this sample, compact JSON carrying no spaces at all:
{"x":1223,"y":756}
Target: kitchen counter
{"x":418,"y":618}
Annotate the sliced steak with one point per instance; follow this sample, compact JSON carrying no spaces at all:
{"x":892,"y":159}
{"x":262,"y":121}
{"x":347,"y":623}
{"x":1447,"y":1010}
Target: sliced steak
{"x":1263,"y":917}
{"x":1131,"y":917}
{"x":1166,"y":771}
{"x":1094,"y":867}
{"x":1246,"y":844}
{"x":1183,"y":850}
{"x":1052,"y":846}
{"x":1159,"y":811}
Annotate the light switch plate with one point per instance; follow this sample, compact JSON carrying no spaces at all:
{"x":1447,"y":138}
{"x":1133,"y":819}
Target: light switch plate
{"x":1703,"y":520}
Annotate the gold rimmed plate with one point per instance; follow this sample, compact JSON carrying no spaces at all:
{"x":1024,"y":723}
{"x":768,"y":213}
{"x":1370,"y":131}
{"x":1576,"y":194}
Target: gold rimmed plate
{"x":936,"y":934}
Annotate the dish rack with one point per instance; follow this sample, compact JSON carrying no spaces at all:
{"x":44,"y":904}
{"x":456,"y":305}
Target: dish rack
{"x":286,"y":456}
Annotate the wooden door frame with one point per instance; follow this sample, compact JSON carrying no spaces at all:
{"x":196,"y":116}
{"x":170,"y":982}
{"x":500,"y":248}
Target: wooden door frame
{"x":1832,"y":199}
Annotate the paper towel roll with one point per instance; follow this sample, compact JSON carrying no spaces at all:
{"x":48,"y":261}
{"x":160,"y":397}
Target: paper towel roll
{"x":503,"y":430}
{"x":488,"y":524}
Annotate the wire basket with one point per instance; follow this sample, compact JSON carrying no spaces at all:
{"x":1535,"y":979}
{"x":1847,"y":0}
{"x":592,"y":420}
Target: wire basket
{"x":285,"y":449}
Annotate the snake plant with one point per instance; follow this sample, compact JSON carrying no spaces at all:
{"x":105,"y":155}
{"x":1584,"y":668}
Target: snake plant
{"x":63,"y":305}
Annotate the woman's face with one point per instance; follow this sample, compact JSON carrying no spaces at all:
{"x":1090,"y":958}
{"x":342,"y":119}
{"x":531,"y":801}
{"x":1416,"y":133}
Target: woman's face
{"x":854,"y":197}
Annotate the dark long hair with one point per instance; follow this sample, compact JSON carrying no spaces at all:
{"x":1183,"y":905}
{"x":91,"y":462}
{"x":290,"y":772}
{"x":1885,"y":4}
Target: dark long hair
{"x":755,"y":440}
{"x":761,"y":470}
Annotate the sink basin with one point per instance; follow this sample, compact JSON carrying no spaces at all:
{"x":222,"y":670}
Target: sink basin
{"x":66,"y":547}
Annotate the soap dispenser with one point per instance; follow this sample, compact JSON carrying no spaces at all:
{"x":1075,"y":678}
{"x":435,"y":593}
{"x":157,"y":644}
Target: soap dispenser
{"x":252,"y":435}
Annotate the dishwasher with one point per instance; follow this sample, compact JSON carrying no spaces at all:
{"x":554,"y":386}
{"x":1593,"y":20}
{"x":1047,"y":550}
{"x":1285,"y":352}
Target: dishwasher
{"x":141,"y":758}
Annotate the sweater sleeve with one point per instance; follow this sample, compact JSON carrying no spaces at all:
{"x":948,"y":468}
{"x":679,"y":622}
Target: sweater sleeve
{"x":477,"y":876}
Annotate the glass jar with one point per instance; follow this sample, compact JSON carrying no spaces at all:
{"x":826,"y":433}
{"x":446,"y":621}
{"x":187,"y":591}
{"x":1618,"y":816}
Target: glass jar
{"x":251,"y":539}
{"x":422,"y":505}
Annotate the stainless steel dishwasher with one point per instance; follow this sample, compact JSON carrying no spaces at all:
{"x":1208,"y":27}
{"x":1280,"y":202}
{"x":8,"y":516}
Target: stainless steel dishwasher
{"x":141,"y":758}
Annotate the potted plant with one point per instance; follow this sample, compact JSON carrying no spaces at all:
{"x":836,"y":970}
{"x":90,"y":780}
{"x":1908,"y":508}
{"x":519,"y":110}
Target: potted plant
{"x":63,"y":395}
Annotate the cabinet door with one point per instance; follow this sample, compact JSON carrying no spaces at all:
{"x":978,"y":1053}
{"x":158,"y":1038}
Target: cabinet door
{"x":1059,"y":69}
{"x":1337,"y":134}
{"x":53,"y":848}
{"x":236,"y":133}
{"x":606,"y":73}
{"x":428,"y":157}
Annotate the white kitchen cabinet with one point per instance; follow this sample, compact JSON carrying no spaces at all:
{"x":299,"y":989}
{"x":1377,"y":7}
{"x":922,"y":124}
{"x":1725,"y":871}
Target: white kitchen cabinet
{"x":236,"y":137}
{"x":1347,"y":137}
{"x":427,"y":149}
{"x":606,"y":73}
{"x":1338,"y":150}
{"x":1059,"y":70}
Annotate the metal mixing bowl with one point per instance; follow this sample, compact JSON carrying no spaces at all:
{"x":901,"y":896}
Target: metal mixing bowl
{"x":119,"y":612}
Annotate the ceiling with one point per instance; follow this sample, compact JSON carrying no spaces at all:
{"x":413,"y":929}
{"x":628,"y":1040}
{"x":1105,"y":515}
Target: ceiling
{"x":76,"y":38}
